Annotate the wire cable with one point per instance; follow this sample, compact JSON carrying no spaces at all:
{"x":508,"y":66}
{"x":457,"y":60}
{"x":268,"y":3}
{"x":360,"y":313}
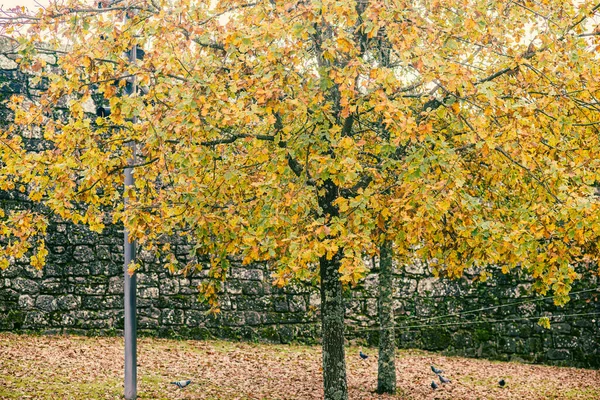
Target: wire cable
{"x":463,"y":323}
{"x":414,"y":319}
{"x":457,"y":314}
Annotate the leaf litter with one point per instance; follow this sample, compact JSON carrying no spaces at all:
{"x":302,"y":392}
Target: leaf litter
{"x":76,"y":367}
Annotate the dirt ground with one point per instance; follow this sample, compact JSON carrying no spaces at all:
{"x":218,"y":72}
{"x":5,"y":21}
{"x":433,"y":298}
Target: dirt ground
{"x":72,"y":367}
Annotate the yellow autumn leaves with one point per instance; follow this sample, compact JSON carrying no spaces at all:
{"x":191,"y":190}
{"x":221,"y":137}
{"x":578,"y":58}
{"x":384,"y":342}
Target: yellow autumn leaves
{"x":465,"y":132}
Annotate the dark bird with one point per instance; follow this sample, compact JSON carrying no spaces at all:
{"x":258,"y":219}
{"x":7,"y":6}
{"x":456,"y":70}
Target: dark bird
{"x":501,"y":382}
{"x":181,"y":384}
{"x":444,"y":380}
{"x":434,"y":385}
{"x":363,"y":355}
{"x":436,"y":371}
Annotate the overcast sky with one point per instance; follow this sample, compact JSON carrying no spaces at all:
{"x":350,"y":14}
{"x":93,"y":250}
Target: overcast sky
{"x":6,"y":4}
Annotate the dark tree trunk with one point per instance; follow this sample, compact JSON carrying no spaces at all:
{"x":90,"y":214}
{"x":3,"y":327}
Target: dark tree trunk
{"x":386,"y":373}
{"x":332,"y":317}
{"x":332,"y":309}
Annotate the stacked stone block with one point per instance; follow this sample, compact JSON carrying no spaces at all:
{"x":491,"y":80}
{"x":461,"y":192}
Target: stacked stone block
{"x":81,"y":291}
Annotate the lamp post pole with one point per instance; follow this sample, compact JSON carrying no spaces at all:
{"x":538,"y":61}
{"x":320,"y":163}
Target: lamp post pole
{"x":130,"y":284}
{"x":129,"y":250}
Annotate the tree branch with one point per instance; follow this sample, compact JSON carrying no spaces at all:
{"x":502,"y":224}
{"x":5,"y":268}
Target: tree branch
{"x":364,"y":181}
{"x":529,"y":172}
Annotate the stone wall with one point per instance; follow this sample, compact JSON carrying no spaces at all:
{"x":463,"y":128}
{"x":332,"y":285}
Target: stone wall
{"x":81,"y":291}
{"x":497,"y":319}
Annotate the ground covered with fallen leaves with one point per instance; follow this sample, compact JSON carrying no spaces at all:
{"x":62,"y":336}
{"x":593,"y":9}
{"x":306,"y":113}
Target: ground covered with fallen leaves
{"x":73,"y":367}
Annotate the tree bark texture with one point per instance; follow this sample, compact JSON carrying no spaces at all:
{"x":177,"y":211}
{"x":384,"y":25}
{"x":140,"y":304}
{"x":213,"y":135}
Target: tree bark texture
{"x":332,"y":317}
{"x":332,"y":309}
{"x":386,"y":373}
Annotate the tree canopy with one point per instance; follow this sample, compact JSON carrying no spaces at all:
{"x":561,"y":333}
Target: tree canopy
{"x":468,"y":128}
{"x":307,"y":132}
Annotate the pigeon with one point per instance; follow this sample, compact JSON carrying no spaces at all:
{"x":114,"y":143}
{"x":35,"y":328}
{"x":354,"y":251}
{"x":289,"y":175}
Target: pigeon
{"x":501,"y":382}
{"x":436,"y":371}
{"x":181,"y":384}
{"x":434,"y":385}
{"x":363,"y":355}
{"x":444,"y":380}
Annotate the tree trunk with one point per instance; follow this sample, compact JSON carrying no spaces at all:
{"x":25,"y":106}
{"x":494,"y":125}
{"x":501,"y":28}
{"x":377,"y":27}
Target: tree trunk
{"x":332,"y":317}
{"x":332,"y":308}
{"x":386,"y":373}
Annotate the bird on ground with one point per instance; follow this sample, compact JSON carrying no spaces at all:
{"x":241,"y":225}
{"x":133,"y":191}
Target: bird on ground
{"x":443,"y":379}
{"x":363,"y":355}
{"x":501,"y":382}
{"x":181,"y":384}
{"x":434,"y":385}
{"x":436,"y":371}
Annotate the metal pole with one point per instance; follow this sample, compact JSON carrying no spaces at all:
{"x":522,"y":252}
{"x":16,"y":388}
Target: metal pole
{"x":130,"y":280}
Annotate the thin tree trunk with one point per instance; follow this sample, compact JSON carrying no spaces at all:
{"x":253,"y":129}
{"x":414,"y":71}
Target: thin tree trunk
{"x":386,"y":373}
{"x":332,"y":317}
